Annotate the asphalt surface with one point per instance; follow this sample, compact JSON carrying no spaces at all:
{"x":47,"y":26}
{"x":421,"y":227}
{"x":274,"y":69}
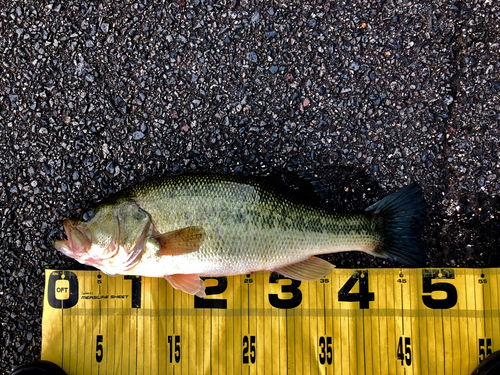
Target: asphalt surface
{"x":367,"y":95}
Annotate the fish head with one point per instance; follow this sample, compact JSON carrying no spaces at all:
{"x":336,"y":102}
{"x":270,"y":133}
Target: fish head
{"x":110,"y":236}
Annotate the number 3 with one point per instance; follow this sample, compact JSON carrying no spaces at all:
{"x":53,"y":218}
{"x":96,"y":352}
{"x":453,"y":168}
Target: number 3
{"x":293,"y":288}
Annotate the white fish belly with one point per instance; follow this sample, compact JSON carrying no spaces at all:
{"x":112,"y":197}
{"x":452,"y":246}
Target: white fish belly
{"x":232,"y":250}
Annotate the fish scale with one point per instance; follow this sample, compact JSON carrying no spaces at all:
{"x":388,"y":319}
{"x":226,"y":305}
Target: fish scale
{"x":245,"y":226}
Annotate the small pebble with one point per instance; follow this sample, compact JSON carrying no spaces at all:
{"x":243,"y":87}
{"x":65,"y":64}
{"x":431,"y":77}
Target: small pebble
{"x":137,"y":135}
{"x":252,"y":56}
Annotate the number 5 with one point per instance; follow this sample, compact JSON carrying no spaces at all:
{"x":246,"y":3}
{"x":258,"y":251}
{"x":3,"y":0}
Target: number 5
{"x":428,"y":275}
{"x":98,"y":349}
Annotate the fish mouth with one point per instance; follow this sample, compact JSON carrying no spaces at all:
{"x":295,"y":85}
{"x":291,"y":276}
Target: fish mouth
{"x":78,"y":240}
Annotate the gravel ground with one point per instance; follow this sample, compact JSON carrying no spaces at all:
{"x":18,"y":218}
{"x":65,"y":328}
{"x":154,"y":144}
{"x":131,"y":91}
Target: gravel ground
{"x":368,"y":95}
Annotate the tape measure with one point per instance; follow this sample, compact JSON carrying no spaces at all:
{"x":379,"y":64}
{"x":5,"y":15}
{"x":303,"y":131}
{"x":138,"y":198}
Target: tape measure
{"x":366,"y":321}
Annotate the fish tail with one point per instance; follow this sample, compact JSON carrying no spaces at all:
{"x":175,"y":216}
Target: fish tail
{"x":399,"y":219}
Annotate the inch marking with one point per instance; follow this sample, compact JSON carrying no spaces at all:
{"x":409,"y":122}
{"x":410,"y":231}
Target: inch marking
{"x":428,"y":276}
{"x":293,"y":288}
{"x":136,"y":290}
{"x":364,"y":297}
{"x":213,"y":303}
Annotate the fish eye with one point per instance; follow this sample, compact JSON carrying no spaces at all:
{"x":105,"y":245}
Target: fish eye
{"x":87,"y":215}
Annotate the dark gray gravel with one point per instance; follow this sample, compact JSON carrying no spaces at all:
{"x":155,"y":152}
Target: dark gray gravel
{"x":368,"y":95}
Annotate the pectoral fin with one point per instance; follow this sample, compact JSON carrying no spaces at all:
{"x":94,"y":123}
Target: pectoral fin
{"x":191,"y":284}
{"x":181,"y":241}
{"x":308,"y":270}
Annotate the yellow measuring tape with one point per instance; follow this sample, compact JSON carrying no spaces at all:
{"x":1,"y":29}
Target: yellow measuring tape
{"x":366,"y":321}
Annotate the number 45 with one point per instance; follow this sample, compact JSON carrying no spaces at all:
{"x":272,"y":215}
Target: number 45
{"x":404,"y":351}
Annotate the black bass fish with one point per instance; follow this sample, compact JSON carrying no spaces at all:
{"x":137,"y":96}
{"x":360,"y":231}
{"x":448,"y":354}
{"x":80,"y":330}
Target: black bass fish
{"x":189,"y":226}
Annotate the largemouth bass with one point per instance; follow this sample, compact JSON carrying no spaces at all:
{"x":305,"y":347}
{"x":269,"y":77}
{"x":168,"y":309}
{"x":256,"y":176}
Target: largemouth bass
{"x":189,"y":226}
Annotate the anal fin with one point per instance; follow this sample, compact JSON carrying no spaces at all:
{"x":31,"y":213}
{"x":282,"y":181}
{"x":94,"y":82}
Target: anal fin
{"x":308,"y":270}
{"x":189,"y":283}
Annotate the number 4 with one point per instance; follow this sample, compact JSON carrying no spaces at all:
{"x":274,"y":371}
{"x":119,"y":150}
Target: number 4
{"x":364,"y":296}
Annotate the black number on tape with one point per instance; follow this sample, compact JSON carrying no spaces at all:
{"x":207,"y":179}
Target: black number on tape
{"x":293,"y":288}
{"x":213,"y":303}
{"x":174,"y":343}
{"x":325,"y":350}
{"x":428,"y":275}
{"x":248,"y":348}
{"x":136,"y":290}
{"x":404,"y":351}
{"x":484,"y":344}
{"x":99,"y":352}
{"x":364,"y":297}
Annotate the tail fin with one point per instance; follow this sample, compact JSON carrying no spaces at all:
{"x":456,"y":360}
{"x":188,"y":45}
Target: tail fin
{"x":399,"y":218}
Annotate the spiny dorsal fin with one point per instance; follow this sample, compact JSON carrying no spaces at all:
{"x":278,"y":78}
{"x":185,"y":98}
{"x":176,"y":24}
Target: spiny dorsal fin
{"x":301,"y":187}
{"x":181,"y":241}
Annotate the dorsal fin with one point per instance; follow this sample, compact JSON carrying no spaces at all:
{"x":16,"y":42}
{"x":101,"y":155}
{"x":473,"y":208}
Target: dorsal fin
{"x":301,"y":187}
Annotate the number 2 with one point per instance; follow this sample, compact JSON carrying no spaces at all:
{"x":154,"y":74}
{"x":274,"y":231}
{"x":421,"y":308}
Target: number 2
{"x":212,"y":303}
